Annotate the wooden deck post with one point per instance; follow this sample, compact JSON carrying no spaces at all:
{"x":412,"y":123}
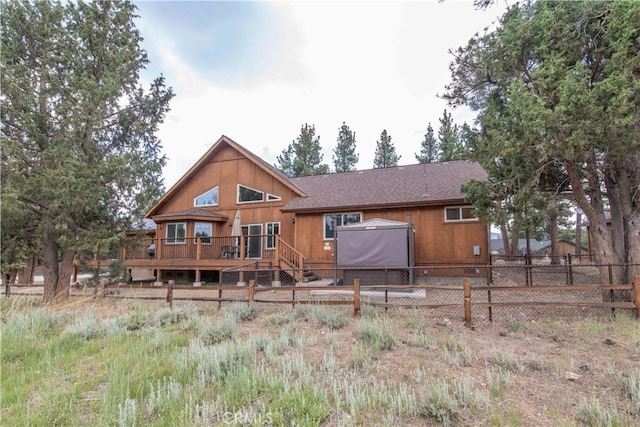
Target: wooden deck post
{"x":198,"y":249}
{"x":251,"y":292}
{"x":467,"y":302}
{"x":356,"y":297}
{"x":636,"y":292}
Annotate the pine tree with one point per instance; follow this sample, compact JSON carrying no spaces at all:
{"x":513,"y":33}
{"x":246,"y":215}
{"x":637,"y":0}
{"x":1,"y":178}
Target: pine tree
{"x":303,"y":156}
{"x":430,"y":148}
{"x":79,"y":150}
{"x":450,"y":139}
{"x":385,"y":156}
{"x":344,"y":155}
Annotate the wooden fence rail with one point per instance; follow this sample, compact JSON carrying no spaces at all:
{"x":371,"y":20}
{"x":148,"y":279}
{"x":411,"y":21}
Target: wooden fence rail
{"x":250,"y":294}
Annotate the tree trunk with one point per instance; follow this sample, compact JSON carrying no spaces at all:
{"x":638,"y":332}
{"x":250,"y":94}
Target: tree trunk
{"x":601,"y":236}
{"x":632,"y":237}
{"x":26,"y":275}
{"x":64,"y":276}
{"x":505,"y":238}
{"x":50,"y":268}
{"x":57,"y":273}
{"x":552,"y":212}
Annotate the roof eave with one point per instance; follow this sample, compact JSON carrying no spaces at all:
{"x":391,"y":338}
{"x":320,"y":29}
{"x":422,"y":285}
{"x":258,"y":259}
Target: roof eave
{"x":379,"y":206}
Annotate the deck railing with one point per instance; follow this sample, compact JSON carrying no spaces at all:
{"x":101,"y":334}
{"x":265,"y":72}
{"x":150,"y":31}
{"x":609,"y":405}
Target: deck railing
{"x":204,"y":248}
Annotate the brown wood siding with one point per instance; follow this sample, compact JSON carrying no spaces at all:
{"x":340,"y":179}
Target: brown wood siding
{"x":226,"y":169}
{"x":436,"y":241}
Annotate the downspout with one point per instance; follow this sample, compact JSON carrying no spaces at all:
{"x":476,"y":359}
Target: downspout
{"x":410,"y":242}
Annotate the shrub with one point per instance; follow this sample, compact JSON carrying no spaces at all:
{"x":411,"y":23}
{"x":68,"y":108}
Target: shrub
{"x":89,"y":327}
{"x":321,"y":315}
{"x":439,"y":404}
{"x":378,"y":334}
{"x":215,"y":332}
{"x":168,"y":315}
{"x":241,"y":312}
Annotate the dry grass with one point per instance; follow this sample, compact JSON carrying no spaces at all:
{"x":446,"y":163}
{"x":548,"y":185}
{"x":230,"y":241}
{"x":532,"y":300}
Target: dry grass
{"x":533,"y":371}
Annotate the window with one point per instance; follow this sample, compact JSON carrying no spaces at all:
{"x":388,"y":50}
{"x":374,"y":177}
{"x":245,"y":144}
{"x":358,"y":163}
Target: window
{"x":176,"y":233}
{"x":208,"y":198}
{"x":331,"y":221}
{"x":203,"y":230}
{"x":273,"y":229}
{"x":459,"y":213}
{"x":273,"y":197}
{"x":247,"y":194}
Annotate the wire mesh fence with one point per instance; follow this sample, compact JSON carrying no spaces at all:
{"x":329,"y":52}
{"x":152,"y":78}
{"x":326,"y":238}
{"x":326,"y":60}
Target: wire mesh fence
{"x":511,"y":290}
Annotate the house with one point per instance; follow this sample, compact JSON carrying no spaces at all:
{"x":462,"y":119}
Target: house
{"x":232,"y":209}
{"x":564,"y":247}
{"x":538,"y":247}
{"x":535,"y":245}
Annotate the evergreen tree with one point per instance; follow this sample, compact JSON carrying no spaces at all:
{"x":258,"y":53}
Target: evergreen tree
{"x":79,"y":151}
{"x":449,"y":137}
{"x":385,"y":156}
{"x":562,"y":105}
{"x":303,"y":156}
{"x":344,"y":155}
{"x":429,"y":149}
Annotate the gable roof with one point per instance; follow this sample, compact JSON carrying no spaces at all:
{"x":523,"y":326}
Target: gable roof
{"x":224,"y":140}
{"x":431,"y":183}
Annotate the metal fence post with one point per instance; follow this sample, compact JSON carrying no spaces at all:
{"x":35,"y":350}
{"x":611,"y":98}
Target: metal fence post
{"x":467,"y":302}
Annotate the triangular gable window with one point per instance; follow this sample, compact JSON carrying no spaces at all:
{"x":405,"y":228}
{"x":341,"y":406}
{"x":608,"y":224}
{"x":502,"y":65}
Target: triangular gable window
{"x":272,"y":198}
{"x":248,"y":194}
{"x":208,"y":198}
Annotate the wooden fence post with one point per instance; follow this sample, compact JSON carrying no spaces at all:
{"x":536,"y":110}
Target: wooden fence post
{"x":101,"y":288}
{"x":356,"y":297}
{"x":170,"y":292}
{"x":636,"y":292}
{"x":251,"y":291}
{"x":467,"y":302}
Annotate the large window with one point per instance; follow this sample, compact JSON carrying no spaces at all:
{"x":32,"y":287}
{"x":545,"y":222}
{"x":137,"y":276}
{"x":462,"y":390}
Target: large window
{"x":248,"y":195}
{"x":331,"y":221}
{"x":459,"y":213}
{"x":208,"y":198}
{"x":176,"y":233}
{"x":203,"y":230}
{"x":273,"y":229}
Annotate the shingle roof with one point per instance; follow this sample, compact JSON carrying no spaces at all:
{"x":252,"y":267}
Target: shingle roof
{"x":400,"y":185}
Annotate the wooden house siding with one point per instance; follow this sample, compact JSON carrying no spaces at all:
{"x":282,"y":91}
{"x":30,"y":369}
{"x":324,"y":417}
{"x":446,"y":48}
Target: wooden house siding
{"x":436,"y":241}
{"x":227,"y":169}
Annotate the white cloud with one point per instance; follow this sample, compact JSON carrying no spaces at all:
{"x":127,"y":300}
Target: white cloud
{"x":374,"y":65}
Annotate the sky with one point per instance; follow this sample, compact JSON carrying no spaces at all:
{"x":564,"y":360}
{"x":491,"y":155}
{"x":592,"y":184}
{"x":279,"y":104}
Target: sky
{"x":258,"y":71}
